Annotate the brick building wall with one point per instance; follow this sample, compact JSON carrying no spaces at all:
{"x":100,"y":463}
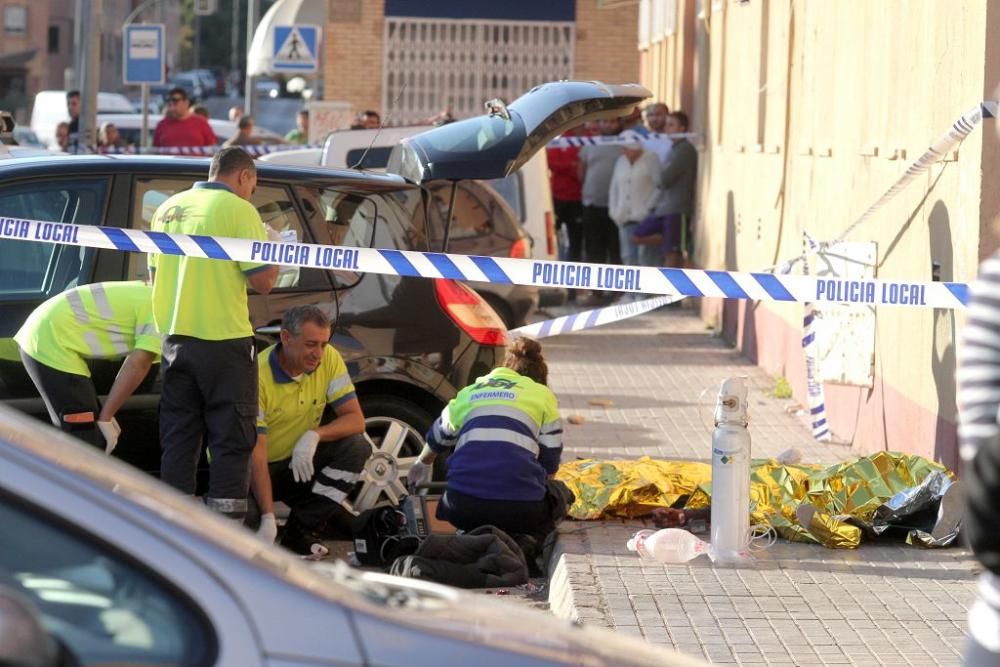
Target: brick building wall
{"x":352,"y":51}
{"x":606,"y":42}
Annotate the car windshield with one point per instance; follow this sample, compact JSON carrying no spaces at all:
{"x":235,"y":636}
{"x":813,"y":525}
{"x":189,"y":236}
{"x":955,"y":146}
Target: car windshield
{"x":473,"y":135}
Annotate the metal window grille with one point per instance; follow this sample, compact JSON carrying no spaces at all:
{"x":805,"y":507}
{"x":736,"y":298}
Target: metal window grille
{"x":434,"y":64}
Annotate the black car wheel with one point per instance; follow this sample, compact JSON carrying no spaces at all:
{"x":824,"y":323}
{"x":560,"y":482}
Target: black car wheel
{"x":397,"y":425}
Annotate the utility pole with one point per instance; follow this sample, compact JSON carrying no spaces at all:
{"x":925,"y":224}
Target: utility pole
{"x":234,"y":39}
{"x":253,"y":15}
{"x":197,"y":41}
{"x":88,"y":18}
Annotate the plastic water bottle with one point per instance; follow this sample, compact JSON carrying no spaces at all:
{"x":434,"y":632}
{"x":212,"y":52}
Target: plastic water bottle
{"x":669,"y":545}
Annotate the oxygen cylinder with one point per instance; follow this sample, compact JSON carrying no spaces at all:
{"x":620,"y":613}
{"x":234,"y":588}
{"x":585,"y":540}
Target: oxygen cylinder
{"x":731,"y":473}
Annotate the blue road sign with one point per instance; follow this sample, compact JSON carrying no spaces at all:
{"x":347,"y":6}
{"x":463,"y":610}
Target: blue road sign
{"x":144,"y":54}
{"x":295,"y":48}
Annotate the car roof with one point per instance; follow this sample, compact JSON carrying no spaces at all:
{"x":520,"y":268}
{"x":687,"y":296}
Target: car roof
{"x":60,"y":164}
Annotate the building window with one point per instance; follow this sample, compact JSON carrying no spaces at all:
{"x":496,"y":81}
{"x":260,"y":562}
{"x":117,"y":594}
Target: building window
{"x":53,"y":39}
{"x":15,"y":20}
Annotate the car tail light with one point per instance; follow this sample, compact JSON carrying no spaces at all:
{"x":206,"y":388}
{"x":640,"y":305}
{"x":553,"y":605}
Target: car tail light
{"x":520,"y":249}
{"x":470,"y":312}
{"x":550,"y":233}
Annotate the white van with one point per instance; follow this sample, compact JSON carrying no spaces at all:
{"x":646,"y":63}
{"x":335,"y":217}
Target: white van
{"x":50,"y":109}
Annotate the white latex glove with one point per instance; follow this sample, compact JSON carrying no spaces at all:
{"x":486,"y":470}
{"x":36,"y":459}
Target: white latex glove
{"x":110,"y":430}
{"x":302,"y":456}
{"x":268,"y":530}
{"x":420,"y":473}
{"x":273,"y":234}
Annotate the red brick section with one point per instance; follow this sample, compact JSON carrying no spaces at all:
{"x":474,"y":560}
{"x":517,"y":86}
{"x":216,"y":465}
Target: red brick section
{"x":607,"y":42}
{"x":353,"y":52}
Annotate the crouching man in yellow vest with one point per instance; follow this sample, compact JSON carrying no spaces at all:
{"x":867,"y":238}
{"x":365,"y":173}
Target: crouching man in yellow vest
{"x":311,"y":466}
{"x":100,"y":321}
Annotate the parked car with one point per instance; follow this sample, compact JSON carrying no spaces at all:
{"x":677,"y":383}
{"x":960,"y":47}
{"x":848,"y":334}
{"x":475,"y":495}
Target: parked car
{"x":102,"y":565}
{"x":130,"y":128}
{"x":409,"y":343}
{"x":50,"y":109}
{"x":192,"y":84}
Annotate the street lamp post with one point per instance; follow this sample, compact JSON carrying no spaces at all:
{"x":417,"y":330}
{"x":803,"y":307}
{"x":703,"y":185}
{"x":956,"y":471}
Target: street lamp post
{"x":253,"y":14}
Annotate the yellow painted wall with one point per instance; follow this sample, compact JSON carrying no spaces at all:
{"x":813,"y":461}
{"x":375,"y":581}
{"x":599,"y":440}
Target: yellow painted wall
{"x":794,"y":99}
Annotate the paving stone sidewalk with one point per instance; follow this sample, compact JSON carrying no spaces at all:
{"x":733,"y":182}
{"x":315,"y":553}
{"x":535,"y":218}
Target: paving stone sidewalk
{"x":646,"y":386}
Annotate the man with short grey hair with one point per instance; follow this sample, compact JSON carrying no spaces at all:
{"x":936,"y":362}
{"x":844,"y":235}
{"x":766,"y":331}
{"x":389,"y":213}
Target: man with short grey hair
{"x":311,"y":446}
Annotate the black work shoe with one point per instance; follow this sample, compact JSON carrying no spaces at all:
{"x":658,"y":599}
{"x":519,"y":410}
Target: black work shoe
{"x":299,"y":540}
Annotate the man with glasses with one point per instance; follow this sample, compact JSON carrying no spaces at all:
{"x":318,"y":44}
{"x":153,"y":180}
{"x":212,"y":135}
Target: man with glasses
{"x":180,"y":126}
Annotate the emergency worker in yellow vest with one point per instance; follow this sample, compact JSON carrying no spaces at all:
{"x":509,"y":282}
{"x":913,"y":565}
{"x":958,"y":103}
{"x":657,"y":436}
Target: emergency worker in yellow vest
{"x":100,"y":321}
{"x":200,"y":306}
{"x":507,"y":438}
{"x":312,"y":466}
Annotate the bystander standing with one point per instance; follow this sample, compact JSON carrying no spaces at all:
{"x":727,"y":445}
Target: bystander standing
{"x":300,"y":135}
{"x":633,"y":192}
{"x":244,"y":133}
{"x":597,"y":164}
{"x":667,"y":233}
{"x":180,"y":126}
{"x":564,"y":175}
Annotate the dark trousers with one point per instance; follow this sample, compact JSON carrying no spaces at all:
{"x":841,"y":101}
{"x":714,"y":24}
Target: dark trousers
{"x":323,"y":503}
{"x":209,"y":394}
{"x":570,"y":214}
{"x":600,"y":236}
{"x":67,"y":394}
{"x":516,"y":517}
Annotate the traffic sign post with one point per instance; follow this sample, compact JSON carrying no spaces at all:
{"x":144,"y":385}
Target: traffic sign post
{"x":144,"y":63}
{"x":296,"y":48}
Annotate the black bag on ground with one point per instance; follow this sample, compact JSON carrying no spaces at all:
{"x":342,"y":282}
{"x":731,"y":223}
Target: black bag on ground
{"x":485,"y":557}
{"x":380,"y":536}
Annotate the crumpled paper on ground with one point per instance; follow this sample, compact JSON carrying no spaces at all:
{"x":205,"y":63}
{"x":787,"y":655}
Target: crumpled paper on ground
{"x":846,"y":495}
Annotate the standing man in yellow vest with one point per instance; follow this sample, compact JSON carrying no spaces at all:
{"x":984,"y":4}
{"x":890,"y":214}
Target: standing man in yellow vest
{"x":100,"y":321}
{"x":313,"y":467}
{"x":209,"y":363}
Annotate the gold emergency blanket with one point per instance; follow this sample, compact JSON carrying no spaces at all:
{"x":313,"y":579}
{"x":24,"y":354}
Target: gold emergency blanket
{"x":845,"y":495}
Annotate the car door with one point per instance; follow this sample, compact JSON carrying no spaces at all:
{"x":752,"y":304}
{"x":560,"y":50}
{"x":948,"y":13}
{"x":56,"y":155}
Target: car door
{"x":34,"y":271}
{"x":499,"y":143}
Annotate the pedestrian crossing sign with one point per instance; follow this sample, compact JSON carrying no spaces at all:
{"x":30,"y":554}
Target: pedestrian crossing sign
{"x":295,"y":48}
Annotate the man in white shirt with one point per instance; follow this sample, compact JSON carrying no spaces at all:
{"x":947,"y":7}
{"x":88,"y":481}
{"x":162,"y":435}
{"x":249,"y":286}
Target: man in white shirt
{"x":633,"y":192}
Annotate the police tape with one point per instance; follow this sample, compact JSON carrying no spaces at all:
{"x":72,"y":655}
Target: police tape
{"x":588,"y":319}
{"x":815,"y":393}
{"x":621,"y":139}
{"x":506,"y":270}
{"x":955,"y":135}
{"x":192,"y":151}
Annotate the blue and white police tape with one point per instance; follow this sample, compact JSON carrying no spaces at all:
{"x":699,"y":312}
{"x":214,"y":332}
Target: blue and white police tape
{"x":815,"y":393}
{"x":626,"y":137}
{"x":588,"y":319}
{"x":955,"y":135}
{"x":648,"y":280}
{"x":193,"y":151}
